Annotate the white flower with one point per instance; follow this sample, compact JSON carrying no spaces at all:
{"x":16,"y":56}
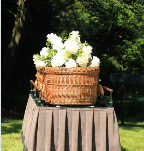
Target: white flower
{"x":58,"y":60}
{"x":53,"y":37}
{"x":95,"y":62}
{"x":58,"y":45}
{"x":71,"y":63}
{"x":56,"y":41}
{"x":87,"y":49}
{"x":75,"y":36}
{"x":40,"y":63}
{"x":76,"y":33}
{"x":71,"y":53}
{"x":82,"y":60}
{"x":44,"y":52}
{"x":61,"y":52}
{"x":71,"y":46}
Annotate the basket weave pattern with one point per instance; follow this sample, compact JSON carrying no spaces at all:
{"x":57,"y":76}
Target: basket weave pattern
{"x":68,"y":86}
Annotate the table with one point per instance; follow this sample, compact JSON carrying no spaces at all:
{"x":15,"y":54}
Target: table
{"x":69,"y":129}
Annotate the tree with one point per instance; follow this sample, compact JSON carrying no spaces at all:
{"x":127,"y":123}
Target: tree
{"x":11,"y":54}
{"x":114,"y":28}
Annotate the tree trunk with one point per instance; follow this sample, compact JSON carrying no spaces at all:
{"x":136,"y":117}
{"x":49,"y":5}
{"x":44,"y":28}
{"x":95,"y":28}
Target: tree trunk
{"x":10,"y":56}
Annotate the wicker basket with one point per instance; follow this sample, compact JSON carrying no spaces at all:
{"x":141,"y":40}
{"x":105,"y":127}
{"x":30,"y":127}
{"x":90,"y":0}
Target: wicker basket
{"x":68,"y":86}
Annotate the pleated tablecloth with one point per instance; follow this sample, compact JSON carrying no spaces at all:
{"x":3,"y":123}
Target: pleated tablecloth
{"x":69,"y":129}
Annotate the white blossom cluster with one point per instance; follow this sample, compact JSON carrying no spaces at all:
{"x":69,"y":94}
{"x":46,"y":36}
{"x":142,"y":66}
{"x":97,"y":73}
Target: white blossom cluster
{"x":56,"y":41}
{"x":70,"y":53}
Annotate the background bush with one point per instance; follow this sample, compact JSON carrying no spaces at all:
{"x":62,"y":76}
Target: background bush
{"x":114,"y":28}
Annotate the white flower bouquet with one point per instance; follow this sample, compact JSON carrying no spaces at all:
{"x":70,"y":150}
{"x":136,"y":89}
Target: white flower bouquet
{"x":67,"y":74}
{"x":65,"y":53}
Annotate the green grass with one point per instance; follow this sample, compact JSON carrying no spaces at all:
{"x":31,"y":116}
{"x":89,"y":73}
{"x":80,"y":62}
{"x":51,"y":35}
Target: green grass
{"x":11,"y":135}
{"x":131,"y":137}
{"x":132,"y":134}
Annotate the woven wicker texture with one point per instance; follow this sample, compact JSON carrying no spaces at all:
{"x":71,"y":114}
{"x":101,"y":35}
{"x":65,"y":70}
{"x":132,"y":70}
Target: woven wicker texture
{"x":68,"y":86}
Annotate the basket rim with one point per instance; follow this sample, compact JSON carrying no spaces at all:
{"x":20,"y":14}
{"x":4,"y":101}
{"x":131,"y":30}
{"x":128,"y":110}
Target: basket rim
{"x":71,"y":70}
{"x":66,"y":67}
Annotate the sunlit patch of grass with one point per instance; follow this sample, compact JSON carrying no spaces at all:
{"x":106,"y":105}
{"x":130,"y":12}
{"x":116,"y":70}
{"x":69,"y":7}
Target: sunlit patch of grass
{"x":132,"y":138}
{"x":11,"y":135}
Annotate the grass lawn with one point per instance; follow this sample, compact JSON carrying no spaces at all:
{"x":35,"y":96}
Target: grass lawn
{"x":11,"y":135}
{"x":131,"y":135}
{"x":132,"y":138}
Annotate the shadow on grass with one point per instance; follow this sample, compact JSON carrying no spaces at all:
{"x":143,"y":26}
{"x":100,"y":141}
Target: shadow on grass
{"x":130,"y":128}
{"x":123,"y":149}
{"x":11,"y":127}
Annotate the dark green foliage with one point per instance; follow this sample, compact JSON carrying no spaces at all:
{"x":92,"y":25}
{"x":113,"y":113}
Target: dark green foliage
{"x":114,"y":28}
{"x":134,"y":107}
{"x":130,"y":107}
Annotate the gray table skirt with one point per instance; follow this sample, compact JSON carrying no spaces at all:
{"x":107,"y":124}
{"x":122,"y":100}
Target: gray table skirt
{"x":69,"y":129}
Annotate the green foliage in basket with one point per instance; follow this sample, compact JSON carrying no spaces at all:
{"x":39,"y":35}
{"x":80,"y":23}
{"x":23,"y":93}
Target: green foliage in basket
{"x":69,"y":52}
